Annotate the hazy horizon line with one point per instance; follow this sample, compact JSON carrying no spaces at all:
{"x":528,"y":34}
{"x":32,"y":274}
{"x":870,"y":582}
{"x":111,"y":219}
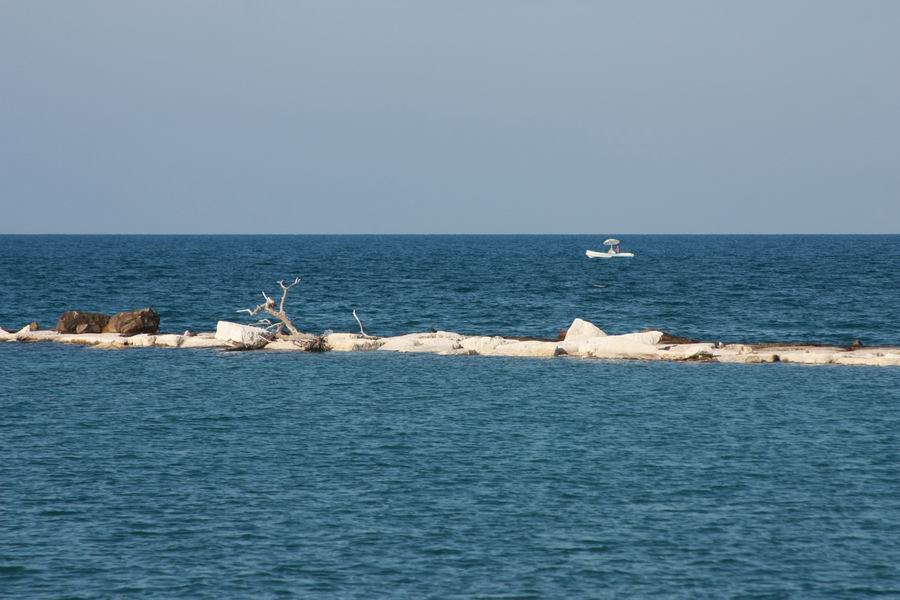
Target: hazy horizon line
{"x":411,"y":234}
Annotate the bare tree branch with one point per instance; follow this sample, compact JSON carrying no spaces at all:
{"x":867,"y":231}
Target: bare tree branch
{"x":269,"y":307}
{"x":361,"y":330}
{"x":304,"y":341}
{"x":284,"y":291}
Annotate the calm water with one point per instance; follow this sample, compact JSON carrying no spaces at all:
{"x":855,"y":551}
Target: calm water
{"x":807,"y":288}
{"x":201,"y":474}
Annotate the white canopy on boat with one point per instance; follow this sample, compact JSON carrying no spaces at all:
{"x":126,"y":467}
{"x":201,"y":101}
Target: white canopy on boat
{"x":611,"y":242}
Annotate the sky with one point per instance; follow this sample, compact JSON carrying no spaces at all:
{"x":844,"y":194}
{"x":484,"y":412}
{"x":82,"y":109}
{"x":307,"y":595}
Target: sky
{"x":495,"y":116}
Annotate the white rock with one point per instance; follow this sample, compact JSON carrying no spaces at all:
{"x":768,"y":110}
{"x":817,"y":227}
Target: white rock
{"x":450,"y":335}
{"x":458,"y":352}
{"x":72,"y":338}
{"x":685,"y":351}
{"x":622,"y":350}
{"x":435,"y":345}
{"x":850,"y":359}
{"x":351,"y":342}
{"x":891,"y":356}
{"x":398,"y":342}
{"x":141,"y":340}
{"x":110,"y":341}
{"x":581,"y":330}
{"x":570,"y":348}
{"x":482,"y":344}
{"x":528,"y":348}
{"x":242,"y":335}
{"x":88,"y":339}
{"x":630,"y":345}
{"x":44,"y":335}
{"x":804,"y":358}
{"x":441,"y":341}
{"x":24,"y":330}
{"x":203,"y":341}
{"x":643,"y":337}
{"x":285,"y":346}
{"x":753,"y":358}
{"x":169,"y":340}
{"x":810,"y":355}
{"x":737,"y":349}
{"x":880,"y":357}
{"x":888,"y":361}
{"x":731,"y":350}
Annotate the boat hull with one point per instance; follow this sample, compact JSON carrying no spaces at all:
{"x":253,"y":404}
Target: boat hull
{"x":595,"y":254}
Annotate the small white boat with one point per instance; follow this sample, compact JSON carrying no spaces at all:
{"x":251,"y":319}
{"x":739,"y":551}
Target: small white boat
{"x":613,"y":251}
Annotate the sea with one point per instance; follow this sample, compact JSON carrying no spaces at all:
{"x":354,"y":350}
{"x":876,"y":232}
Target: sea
{"x":162,"y":473}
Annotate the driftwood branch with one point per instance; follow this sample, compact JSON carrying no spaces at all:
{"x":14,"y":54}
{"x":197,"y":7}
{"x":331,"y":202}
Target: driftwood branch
{"x":284,"y":292}
{"x":361,"y":330}
{"x":274,"y":329}
{"x":269,"y":307}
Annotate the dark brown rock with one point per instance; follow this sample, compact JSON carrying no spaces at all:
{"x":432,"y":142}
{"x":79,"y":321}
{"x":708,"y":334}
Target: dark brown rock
{"x":668,"y":338}
{"x":81,"y":322}
{"x":133,"y":322}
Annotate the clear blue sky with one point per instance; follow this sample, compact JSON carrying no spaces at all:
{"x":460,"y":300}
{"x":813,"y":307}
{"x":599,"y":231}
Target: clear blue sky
{"x":449,"y":117}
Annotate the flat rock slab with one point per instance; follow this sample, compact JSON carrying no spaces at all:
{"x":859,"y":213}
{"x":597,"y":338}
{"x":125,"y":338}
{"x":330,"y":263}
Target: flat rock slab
{"x":633,"y":346}
{"x":627,"y":346}
{"x":352,"y":342}
{"x":436,"y":343}
{"x":141,"y":341}
{"x":534,"y":349}
{"x":482,"y":344}
{"x":202,"y":341}
{"x":686,"y":351}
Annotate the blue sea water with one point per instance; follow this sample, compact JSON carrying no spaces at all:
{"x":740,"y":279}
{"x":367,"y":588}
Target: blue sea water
{"x":158,"y":473}
{"x":747,"y":288}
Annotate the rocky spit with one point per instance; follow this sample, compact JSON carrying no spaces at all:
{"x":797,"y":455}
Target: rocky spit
{"x":582,"y":339}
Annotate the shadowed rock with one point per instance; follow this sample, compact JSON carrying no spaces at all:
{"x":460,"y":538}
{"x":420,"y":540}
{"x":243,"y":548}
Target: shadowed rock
{"x":133,"y":322}
{"x":73,"y":321}
{"x":668,"y":338}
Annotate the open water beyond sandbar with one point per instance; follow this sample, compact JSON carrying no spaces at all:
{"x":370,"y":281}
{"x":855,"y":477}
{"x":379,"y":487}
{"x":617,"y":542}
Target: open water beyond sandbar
{"x":831,"y":289}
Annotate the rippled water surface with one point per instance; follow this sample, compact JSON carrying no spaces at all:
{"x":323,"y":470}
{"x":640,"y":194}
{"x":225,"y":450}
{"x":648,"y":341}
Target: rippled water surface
{"x":749,"y":288}
{"x":200,"y":474}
